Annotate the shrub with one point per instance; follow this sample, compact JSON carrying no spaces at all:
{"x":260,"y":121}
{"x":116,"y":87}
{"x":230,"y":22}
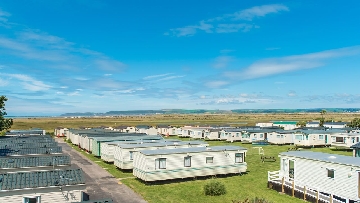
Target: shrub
{"x":214,"y":188}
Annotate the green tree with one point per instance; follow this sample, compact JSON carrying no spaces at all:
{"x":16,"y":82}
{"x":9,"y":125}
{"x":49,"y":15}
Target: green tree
{"x":301,"y":123}
{"x":355,"y":123}
{"x":322,"y":120}
{"x":5,"y":123}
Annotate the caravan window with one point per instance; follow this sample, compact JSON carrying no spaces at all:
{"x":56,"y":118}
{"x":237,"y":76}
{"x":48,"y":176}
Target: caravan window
{"x":330,"y":173}
{"x":160,"y":163}
{"x":298,"y":137}
{"x":131,"y":155}
{"x":238,"y":157}
{"x":209,"y":160}
{"x":321,"y":137}
{"x":31,"y":199}
{"x":261,"y":135}
{"x":187,"y":161}
{"x":237,"y":134}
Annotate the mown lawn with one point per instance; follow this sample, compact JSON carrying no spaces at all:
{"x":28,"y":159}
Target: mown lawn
{"x":250,"y":185}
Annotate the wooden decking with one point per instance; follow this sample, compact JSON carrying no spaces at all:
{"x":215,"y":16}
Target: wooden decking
{"x":300,"y":191}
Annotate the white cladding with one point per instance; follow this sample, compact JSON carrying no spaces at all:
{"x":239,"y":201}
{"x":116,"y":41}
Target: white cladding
{"x":124,"y":154}
{"x":45,"y":195}
{"x":312,"y":170}
{"x":184,"y":163}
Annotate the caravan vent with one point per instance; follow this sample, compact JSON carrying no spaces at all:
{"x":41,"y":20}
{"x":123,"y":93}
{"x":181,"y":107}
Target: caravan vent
{"x":332,"y":157}
{"x":208,"y":148}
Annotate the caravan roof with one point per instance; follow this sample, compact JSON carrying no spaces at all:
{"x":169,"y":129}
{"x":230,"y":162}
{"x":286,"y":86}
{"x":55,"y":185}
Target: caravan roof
{"x":192,"y":150}
{"x":332,"y":158}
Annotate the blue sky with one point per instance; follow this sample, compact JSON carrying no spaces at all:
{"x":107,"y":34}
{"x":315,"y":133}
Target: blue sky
{"x":96,"y":56}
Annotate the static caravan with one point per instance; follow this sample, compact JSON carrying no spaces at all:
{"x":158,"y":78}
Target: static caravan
{"x":165,"y":164}
{"x":60,"y":186}
{"x":345,"y":140}
{"x":60,"y":132}
{"x":335,"y":124}
{"x":87,"y":139}
{"x":233,"y":135}
{"x":215,"y":134}
{"x":124,"y":153}
{"x":313,"y":124}
{"x":163,"y":129}
{"x":34,"y":162}
{"x":254,"y":135}
{"x":185,"y":131}
{"x":286,"y":125}
{"x":356,"y":150}
{"x":330,"y":174}
{"x":199,"y":133}
{"x":312,"y":138}
{"x":282,"y":137}
{"x":262,"y":125}
{"x":96,"y":142}
{"x":108,"y":148}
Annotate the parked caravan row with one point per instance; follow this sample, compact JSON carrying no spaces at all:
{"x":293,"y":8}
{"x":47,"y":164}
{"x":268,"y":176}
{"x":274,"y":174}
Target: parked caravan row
{"x":195,"y":158}
{"x":33,"y":169}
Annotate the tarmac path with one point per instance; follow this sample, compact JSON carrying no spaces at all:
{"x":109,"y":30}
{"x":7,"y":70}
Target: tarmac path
{"x":100,"y":184}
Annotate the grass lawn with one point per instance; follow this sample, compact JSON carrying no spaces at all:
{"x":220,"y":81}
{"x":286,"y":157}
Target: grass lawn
{"x":250,"y":185}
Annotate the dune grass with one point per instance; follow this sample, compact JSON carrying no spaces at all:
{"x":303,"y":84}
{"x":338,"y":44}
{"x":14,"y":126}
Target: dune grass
{"x":49,"y":124}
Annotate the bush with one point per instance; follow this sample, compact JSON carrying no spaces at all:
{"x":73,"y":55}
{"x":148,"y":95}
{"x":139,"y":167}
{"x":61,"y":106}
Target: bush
{"x":215,"y":188}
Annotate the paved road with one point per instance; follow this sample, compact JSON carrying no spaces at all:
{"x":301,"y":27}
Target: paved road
{"x":100,"y":184}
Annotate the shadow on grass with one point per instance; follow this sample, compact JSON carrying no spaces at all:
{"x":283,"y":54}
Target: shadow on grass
{"x":181,"y":180}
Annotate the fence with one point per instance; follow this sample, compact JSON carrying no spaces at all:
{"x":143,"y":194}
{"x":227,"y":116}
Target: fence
{"x":299,"y":190}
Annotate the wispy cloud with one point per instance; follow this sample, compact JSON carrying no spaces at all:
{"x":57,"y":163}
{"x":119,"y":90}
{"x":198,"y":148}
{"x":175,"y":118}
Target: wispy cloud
{"x":192,"y":29}
{"x":156,"y":76}
{"x":225,"y":23}
{"x":28,"y":82}
{"x":274,"y":66}
{"x":258,"y":11}
{"x":3,"y":17}
{"x":222,"y":61}
{"x":236,"y":99}
{"x":171,"y":77}
{"x":292,"y":94}
{"x":227,"y":28}
{"x":216,"y":83}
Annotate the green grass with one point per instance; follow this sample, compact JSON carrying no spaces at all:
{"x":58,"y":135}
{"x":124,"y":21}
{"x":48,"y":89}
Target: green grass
{"x":250,"y":185}
{"x":110,"y":167}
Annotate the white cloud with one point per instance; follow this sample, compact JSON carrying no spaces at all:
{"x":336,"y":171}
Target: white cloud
{"x":274,"y":66}
{"x":3,"y":82}
{"x":156,"y":76}
{"x":110,"y":65}
{"x":225,"y":23}
{"x":292,"y":94}
{"x":75,"y":93}
{"x":171,"y":77}
{"x":258,"y":11}
{"x":108,"y":74}
{"x":28,"y":82}
{"x":216,"y":84}
{"x":191,"y":30}
{"x":81,"y":78}
{"x":222,"y":61}
{"x":227,"y":28}
{"x":3,"y":16}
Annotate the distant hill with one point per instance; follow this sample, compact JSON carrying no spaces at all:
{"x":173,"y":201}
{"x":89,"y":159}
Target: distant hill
{"x":202,"y":111}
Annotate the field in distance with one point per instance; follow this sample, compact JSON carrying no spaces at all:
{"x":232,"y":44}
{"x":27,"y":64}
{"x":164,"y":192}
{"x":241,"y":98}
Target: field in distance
{"x":50,"y":123}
